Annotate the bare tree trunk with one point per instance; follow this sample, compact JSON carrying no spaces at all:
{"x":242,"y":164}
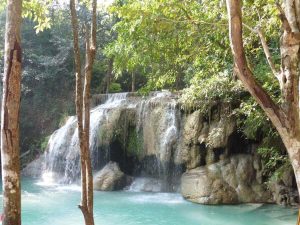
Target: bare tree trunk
{"x":83,"y":110}
{"x":10,"y":150}
{"x":284,"y":117}
{"x":133,"y":82}
{"x":109,"y":74}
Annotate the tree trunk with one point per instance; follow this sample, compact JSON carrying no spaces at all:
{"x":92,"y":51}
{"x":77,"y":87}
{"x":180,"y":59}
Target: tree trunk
{"x":83,"y":110}
{"x":285,"y":117}
{"x":109,"y":75}
{"x":10,"y":152}
{"x":293,"y":147}
{"x":133,"y":82}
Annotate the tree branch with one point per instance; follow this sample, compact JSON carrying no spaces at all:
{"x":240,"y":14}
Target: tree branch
{"x":265,"y":46}
{"x":290,"y":19}
{"x":285,"y":23}
{"x":273,"y":111}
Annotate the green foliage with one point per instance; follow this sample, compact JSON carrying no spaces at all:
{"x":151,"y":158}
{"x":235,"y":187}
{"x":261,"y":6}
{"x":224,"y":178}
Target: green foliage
{"x":207,"y":92}
{"x":47,"y":79}
{"x":2,"y":6}
{"x":37,"y":10}
{"x":181,"y":44}
{"x":115,"y":87}
{"x":164,"y":41}
{"x":44,"y":143}
{"x":252,"y":121}
{"x":99,"y":73}
{"x":167,"y":45}
{"x":134,"y":144}
{"x":275,"y":163}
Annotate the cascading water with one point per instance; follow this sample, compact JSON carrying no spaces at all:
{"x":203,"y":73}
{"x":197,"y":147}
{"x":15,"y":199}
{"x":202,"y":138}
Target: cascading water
{"x":158,"y":123}
{"x":168,"y":142}
{"x":62,"y":155}
{"x":155,"y":121}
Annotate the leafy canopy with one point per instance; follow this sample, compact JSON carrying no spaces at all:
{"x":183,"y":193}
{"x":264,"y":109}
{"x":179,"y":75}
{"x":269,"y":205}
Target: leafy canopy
{"x":36,"y":10}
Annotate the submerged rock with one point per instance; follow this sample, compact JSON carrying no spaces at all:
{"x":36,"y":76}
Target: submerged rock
{"x":111,"y":178}
{"x":230,"y":181}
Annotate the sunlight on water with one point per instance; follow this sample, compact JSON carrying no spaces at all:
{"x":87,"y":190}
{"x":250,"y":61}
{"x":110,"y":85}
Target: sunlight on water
{"x":57,"y":205}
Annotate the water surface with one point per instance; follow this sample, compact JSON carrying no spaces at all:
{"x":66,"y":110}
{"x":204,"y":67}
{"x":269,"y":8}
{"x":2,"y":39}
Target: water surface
{"x":57,"y":205}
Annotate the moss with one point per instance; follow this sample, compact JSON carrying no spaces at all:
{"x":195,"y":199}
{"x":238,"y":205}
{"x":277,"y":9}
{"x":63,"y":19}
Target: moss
{"x":135,"y":143}
{"x":104,"y":136}
{"x":44,"y":143}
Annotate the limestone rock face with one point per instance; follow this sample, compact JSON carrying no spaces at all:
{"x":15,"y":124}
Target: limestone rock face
{"x":116,"y":121}
{"x":110,"y":178}
{"x":189,"y":150}
{"x":154,"y":137}
{"x":283,"y":190}
{"x":205,"y":141}
{"x":158,"y":123}
{"x":219,"y":131}
{"x":230,"y":181}
{"x":197,"y":186}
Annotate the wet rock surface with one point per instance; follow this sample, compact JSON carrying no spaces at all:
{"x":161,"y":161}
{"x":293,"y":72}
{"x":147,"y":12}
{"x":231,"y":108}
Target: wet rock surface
{"x":230,"y":181}
{"x":283,"y":189}
{"x":153,"y":137}
{"x":111,"y":178}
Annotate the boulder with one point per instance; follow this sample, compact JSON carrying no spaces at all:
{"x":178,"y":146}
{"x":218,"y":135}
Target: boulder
{"x":284,"y":188}
{"x":284,"y":195}
{"x":230,"y":181}
{"x":199,"y":187}
{"x":111,"y":178}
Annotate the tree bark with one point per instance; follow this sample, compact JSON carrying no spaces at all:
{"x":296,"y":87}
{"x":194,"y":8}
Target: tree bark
{"x":133,"y":82}
{"x":83,"y":109}
{"x":10,"y":152}
{"x":109,"y":74}
{"x":285,"y":117}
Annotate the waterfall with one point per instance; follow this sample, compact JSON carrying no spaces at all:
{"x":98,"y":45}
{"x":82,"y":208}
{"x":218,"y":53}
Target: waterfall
{"x":62,"y":155}
{"x":155,"y":120}
{"x":158,"y":123}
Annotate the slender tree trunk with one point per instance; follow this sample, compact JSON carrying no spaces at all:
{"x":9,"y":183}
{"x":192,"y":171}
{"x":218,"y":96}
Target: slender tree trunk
{"x":10,"y":152}
{"x":83,"y":110}
{"x":109,"y":74}
{"x":133,"y":82}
